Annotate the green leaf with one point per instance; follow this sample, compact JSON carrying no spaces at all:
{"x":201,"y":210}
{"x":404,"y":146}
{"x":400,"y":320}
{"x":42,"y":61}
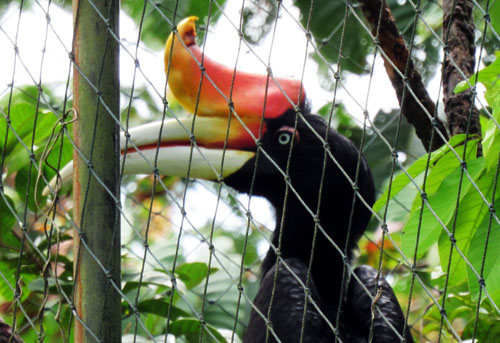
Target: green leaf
{"x":7,"y":287}
{"x":423,"y":227}
{"x":494,"y":12}
{"x":38,"y":285}
{"x":191,"y":329}
{"x":491,"y":145}
{"x":443,"y":166}
{"x":22,"y":117}
{"x":487,"y":329}
{"x":193,"y":273}
{"x":487,"y":76}
{"x":471,"y":212}
{"x":21,"y":125}
{"x":327,"y":26}
{"x":17,"y":160}
{"x":9,"y":267}
{"x":476,"y":253}
{"x":7,"y":222}
{"x":442,"y":156}
{"x":27,"y":177}
{"x":337,"y":32}
{"x":401,"y":181}
{"x":491,"y":141}
{"x":160,"y":307}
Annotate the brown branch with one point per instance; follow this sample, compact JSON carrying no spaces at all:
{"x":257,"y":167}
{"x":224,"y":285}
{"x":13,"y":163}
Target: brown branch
{"x":458,"y":36}
{"x":414,"y":108}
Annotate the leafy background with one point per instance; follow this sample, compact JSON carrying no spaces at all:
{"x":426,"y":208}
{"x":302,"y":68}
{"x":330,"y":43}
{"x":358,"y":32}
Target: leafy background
{"x":36,"y":120}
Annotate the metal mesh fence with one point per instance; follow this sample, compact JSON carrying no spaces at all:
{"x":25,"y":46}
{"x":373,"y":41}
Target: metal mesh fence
{"x":191,"y":250}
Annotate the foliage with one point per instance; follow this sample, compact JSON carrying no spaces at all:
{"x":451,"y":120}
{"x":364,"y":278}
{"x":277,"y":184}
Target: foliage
{"x":456,"y":206}
{"x":336,"y":28}
{"x":158,"y":18}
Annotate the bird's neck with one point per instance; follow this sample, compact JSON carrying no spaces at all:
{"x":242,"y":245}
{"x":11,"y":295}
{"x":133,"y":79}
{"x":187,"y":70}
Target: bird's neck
{"x":297,"y":235}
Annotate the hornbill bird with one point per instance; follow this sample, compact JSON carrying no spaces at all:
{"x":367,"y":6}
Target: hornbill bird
{"x":256,"y":133}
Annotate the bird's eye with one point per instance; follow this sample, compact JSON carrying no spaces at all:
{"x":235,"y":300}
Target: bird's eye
{"x":284,"y":138}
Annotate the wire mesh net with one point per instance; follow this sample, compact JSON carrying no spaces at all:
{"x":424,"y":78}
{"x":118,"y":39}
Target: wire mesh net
{"x":191,"y":250}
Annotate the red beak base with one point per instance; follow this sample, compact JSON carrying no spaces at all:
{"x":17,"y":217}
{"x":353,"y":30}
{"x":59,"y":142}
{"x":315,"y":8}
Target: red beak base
{"x":252,"y":96}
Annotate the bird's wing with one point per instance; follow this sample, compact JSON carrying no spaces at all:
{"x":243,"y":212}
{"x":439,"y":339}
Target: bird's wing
{"x":366,"y":317}
{"x":287,"y":309}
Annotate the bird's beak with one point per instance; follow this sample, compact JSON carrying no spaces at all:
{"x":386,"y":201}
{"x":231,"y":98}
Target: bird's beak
{"x":250,"y":95}
{"x":228,"y":109}
{"x":198,"y":147}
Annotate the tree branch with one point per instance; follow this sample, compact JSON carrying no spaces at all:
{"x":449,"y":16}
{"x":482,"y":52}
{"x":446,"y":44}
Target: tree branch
{"x":458,"y":36}
{"x":414,"y":108}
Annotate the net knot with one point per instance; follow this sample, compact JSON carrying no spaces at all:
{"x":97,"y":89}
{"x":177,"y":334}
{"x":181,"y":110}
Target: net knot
{"x":482,"y":283}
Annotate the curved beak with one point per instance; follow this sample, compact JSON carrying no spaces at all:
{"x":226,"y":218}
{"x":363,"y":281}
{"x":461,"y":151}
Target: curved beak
{"x":228,"y":105}
{"x":205,"y":87}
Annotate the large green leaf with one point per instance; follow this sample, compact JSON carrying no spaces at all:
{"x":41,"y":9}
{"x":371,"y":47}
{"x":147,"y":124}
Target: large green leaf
{"x":470,"y":215}
{"x":494,"y":12}
{"x":21,"y":126}
{"x":486,"y":329}
{"x":9,"y":267}
{"x":490,"y":253}
{"x":448,"y":162}
{"x":423,"y":228}
{"x":27,"y":188}
{"x":160,"y":307}
{"x":24,"y":122}
{"x":7,"y":222}
{"x":484,"y":249}
{"x":402,"y":180}
{"x":491,"y":143}
{"x":191,"y":329}
{"x":193,"y":273}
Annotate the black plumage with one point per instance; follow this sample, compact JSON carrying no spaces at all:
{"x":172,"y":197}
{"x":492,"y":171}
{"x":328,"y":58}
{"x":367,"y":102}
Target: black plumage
{"x":6,"y":335}
{"x":344,"y":218}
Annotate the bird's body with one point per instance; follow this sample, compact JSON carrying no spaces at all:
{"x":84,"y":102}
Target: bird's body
{"x":289,"y":323}
{"x":6,"y":334}
{"x":342,"y":219}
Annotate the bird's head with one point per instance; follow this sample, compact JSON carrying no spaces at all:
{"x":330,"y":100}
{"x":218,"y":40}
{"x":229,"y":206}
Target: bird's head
{"x":251,"y":130}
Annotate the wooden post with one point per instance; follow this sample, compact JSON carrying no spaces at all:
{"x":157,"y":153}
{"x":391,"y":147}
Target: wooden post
{"x":95,"y":94}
